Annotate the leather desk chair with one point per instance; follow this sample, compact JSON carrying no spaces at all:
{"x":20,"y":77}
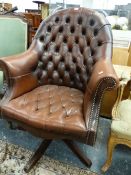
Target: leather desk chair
{"x":55,"y":87}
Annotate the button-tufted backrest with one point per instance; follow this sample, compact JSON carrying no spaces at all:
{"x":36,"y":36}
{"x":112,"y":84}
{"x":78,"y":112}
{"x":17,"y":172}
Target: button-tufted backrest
{"x":71,"y":41}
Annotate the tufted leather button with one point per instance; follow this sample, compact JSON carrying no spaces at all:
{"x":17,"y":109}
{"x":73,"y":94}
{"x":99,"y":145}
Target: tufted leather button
{"x":53,"y":38}
{"x":95,"y":32}
{"x":99,"y":43}
{"x":88,"y":41}
{"x":67,"y":68}
{"x":80,"y":20}
{"x":57,"y":48}
{"x":46,"y":47}
{"x":83,"y":31}
{"x":65,"y":39}
{"x":42,"y":38}
{"x":61,"y":28}
{"x":67,"y":20}
{"x":92,"y":22}
{"x":77,"y":40}
{"x":50,"y":58}
{"x":57,"y":19}
{"x":62,"y":59}
{"x":74,"y":60}
{"x":81,"y":50}
{"x":85,"y":61}
{"x":78,"y":70}
{"x":72,"y":29}
{"x":92,"y":52}
{"x":70,"y":49}
{"x":49,"y":28}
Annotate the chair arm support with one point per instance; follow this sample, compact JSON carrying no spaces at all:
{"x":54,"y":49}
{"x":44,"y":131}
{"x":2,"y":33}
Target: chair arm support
{"x":21,"y":64}
{"x":103,"y":77}
{"x":18,"y":72}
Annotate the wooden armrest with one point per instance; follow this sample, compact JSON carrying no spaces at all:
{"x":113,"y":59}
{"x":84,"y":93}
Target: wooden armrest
{"x":123,"y":83}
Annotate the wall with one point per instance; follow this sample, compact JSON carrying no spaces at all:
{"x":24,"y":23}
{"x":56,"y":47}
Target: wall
{"x":99,"y":4}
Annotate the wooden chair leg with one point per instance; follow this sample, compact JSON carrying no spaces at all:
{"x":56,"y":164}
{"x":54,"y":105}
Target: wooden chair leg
{"x":76,"y":150}
{"x":110,"y":148}
{"x":37,"y":155}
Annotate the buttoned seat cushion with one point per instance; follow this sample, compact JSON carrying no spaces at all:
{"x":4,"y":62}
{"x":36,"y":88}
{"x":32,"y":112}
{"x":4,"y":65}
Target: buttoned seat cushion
{"x":121,"y":126}
{"x":50,"y":107}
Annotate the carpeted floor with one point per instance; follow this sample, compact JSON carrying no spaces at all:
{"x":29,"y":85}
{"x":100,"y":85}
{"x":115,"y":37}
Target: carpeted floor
{"x":13,"y":158}
{"x":121,"y":163}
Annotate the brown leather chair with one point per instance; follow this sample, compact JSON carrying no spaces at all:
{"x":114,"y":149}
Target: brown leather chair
{"x":55,"y":87}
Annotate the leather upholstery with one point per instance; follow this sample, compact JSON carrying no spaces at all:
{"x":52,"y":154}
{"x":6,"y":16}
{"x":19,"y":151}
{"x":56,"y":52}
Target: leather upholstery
{"x":52,"y":108}
{"x":72,"y":41}
{"x":72,"y":49}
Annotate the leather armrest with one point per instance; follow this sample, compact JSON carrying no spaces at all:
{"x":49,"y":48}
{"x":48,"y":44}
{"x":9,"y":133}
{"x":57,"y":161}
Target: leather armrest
{"x":103,"y":77}
{"x":21,"y":64}
{"x":18,"y":71}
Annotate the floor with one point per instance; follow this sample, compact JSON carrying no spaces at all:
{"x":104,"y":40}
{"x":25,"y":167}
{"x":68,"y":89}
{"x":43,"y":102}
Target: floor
{"x":121,"y":164}
{"x":13,"y":159}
